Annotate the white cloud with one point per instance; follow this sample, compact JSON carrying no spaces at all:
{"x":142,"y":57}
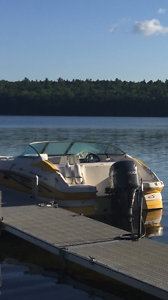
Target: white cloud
{"x":150,"y":27}
{"x":113,"y":28}
{"x":161,"y":11}
{"x":118,"y":24}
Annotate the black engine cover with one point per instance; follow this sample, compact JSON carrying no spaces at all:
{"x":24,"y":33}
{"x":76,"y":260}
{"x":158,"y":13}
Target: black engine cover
{"x":124,"y":174}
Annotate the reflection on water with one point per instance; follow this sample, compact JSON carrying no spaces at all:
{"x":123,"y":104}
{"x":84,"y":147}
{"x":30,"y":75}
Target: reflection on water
{"x":29,"y":272}
{"x":45,"y":284}
{"x":42,"y":284}
{"x":151,"y":222}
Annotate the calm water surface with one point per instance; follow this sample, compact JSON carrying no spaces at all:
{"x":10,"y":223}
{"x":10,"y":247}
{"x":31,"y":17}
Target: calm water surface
{"x":143,"y":138}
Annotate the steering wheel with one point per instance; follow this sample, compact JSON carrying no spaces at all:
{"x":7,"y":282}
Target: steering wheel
{"x":91,"y":157}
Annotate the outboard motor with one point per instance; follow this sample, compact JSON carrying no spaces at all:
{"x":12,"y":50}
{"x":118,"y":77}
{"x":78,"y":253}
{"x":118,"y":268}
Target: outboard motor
{"x":124,"y":182}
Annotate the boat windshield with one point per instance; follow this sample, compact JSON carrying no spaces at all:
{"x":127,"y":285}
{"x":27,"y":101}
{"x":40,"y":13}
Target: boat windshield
{"x":97,"y":148}
{"x":70,"y":148}
{"x":29,"y":152}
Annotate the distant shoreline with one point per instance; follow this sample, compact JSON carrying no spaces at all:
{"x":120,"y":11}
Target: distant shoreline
{"x":84,"y":98}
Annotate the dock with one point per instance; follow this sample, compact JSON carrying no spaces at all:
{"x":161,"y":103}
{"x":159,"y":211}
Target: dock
{"x":141,"y":265}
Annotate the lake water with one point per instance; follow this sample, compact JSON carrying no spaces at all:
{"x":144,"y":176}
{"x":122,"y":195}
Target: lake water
{"x":143,"y":138}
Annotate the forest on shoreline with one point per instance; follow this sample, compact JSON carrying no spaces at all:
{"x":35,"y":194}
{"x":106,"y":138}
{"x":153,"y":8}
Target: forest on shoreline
{"x":84,"y":98}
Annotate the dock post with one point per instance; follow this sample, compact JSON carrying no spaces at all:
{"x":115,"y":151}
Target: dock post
{"x":0,"y":206}
{"x":35,"y":187}
{"x":140,"y":210}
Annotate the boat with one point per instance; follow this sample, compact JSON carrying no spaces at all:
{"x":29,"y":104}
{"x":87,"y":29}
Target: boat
{"x":84,"y":177}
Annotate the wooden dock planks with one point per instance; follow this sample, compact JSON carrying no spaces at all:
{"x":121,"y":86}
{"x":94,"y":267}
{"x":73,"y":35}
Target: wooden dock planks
{"x":140,"y":264}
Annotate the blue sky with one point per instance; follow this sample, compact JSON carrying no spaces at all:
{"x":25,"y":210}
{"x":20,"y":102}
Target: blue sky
{"x":84,"y":39}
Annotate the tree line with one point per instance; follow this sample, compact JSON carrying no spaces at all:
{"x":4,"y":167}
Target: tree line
{"x":84,"y":98}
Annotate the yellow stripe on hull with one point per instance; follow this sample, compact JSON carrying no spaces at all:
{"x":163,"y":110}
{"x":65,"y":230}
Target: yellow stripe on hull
{"x":140,"y":162}
{"x":49,"y":192}
{"x":16,"y":182}
{"x":152,"y":190}
{"x":23,"y":183}
{"x":46,"y":166}
{"x":154,"y":204}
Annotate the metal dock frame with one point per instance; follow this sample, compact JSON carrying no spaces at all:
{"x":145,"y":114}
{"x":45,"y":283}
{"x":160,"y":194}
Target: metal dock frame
{"x":141,"y":265}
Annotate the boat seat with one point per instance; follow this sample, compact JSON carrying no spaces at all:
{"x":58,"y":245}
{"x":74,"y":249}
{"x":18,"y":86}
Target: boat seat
{"x":78,"y":174}
{"x":68,"y":174}
{"x":55,"y":159}
{"x":73,"y":159}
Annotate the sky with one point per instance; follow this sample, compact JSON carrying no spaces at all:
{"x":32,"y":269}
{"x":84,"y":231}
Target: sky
{"x":84,"y":39}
